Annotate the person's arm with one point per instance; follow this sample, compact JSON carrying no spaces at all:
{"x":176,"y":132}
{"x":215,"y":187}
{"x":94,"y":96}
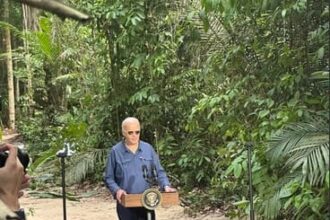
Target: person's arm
{"x":109,"y":178}
{"x":163,"y":181}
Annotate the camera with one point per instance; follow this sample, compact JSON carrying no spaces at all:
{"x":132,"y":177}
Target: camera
{"x":22,"y":156}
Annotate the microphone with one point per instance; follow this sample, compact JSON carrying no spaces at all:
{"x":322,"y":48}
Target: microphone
{"x":145,"y":171}
{"x":154,"y":171}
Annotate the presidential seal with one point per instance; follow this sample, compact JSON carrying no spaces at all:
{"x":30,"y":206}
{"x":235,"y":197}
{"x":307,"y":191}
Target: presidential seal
{"x":151,"y":198}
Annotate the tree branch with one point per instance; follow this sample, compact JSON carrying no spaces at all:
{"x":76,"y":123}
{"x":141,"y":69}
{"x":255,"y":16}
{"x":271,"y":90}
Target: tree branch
{"x":57,"y":8}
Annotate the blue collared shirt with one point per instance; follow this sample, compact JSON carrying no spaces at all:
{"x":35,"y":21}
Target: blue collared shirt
{"x":124,"y":168}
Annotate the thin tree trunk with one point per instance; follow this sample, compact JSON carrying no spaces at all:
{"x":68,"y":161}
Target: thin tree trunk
{"x":10,"y":76}
{"x":18,"y":92}
{"x":29,"y":23}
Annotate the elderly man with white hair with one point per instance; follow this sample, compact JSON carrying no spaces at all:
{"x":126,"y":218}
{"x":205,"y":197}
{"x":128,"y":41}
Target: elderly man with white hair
{"x":123,"y":173}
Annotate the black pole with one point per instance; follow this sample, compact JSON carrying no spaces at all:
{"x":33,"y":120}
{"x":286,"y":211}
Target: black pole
{"x":249,"y":147}
{"x":65,"y":152}
{"x":63,"y":187}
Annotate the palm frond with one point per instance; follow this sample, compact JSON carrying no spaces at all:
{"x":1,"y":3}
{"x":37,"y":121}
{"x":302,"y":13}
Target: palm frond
{"x":278,"y":193}
{"x":43,"y":159}
{"x":272,"y":206}
{"x":84,"y":164}
{"x":303,"y":146}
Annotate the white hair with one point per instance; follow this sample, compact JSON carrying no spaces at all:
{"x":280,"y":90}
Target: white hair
{"x":127,"y":121}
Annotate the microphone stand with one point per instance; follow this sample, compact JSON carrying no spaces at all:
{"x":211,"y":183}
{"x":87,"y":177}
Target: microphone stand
{"x":65,"y":152}
{"x":149,"y":215}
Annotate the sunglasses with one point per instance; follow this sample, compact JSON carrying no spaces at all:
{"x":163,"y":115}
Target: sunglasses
{"x":131,"y":132}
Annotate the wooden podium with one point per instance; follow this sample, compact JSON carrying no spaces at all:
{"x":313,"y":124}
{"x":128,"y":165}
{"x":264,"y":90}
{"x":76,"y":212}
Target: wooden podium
{"x":135,"y":200}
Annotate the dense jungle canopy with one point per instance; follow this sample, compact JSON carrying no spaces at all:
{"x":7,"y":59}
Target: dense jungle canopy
{"x":204,"y":77}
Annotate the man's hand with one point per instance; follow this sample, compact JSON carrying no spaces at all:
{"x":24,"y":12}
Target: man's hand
{"x":169,"y":189}
{"x":25,"y":184}
{"x":11,"y":178}
{"x":119,"y":194}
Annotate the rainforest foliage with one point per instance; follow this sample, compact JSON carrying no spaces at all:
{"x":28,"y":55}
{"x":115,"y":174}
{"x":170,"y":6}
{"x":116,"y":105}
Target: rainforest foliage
{"x":204,"y":77}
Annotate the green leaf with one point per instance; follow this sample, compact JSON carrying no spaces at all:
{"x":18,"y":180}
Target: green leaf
{"x":320,"y":75}
{"x":263,"y":113}
{"x":139,"y":59}
{"x":237,"y":170}
{"x":242,"y":202}
{"x":44,"y":157}
{"x":320,"y":53}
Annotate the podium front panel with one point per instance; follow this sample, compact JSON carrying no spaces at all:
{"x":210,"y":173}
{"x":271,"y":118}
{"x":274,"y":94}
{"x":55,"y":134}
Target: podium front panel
{"x":134,"y":200}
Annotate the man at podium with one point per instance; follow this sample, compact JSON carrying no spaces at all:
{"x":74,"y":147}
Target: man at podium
{"x":129,"y":164}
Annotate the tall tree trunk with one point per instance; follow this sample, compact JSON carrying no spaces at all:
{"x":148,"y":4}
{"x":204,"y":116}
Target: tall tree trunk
{"x":10,"y":76}
{"x":30,"y":22}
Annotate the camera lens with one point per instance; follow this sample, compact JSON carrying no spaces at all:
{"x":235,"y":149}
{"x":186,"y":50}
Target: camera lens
{"x":22,"y":156}
{"x":3,"y":158}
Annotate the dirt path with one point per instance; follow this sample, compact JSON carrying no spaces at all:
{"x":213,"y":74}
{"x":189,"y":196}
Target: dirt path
{"x":96,"y":207}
